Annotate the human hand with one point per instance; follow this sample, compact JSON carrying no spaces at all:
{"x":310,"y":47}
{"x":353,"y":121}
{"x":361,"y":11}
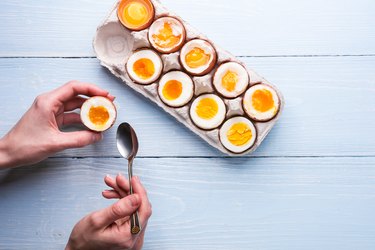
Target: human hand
{"x":109,"y":228}
{"x":37,"y":134}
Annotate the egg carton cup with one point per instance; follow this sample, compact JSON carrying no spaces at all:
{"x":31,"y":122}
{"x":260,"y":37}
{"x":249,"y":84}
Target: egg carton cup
{"x":114,"y":44}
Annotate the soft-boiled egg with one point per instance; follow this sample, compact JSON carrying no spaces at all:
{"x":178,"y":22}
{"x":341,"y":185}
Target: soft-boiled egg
{"x":166,"y":34}
{"x":176,"y":88}
{"x":198,"y":57}
{"x":136,"y":14}
{"x":144,"y":66}
{"x":98,"y":113}
{"x":261,"y":102}
{"x":231,"y":79}
{"x":238,"y":134}
{"x":207,"y":111}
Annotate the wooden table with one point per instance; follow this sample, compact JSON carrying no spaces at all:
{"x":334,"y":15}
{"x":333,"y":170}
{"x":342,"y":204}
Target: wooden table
{"x":310,"y":185}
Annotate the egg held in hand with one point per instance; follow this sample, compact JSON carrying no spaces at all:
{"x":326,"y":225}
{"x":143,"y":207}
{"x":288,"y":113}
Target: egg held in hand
{"x":208,"y":111}
{"x":261,"y":102}
{"x":98,"y":113}
{"x":176,"y":88}
{"x":144,"y":66}
{"x":238,"y":134}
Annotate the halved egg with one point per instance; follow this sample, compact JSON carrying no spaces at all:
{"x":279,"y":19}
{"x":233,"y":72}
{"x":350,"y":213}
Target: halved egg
{"x":98,"y":113}
{"x":166,"y":34}
{"x":261,"y":102}
{"x":198,"y":57}
{"x":144,"y":66}
{"x":176,"y":88}
{"x":207,"y":111}
{"x":136,"y":14}
{"x":231,"y":79}
{"x":238,"y":134}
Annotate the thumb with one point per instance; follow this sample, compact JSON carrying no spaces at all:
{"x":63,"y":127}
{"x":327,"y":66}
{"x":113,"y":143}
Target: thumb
{"x":78,"y":139}
{"x":122,"y":208}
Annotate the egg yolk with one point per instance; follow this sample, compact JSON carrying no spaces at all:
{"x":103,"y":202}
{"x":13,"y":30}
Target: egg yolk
{"x":172,"y":89}
{"x":98,"y":115}
{"x":229,"y":80}
{"x":207,"y":108}
{"x":136,"y":13}
{"x":166,"y":38}
{"x":262,"y":100}
{"x":144,"y":68}
{"x":239,"y":134}
{"x":197,"y":58}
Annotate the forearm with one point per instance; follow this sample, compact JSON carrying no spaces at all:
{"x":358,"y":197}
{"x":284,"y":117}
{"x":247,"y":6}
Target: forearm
{"x":5,"y":155}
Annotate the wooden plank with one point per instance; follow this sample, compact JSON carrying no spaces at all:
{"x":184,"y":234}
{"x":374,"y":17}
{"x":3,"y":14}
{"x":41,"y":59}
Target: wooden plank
{"x":262,"y":203}
{"x":258,"y":27}
{"x":329,"y":106}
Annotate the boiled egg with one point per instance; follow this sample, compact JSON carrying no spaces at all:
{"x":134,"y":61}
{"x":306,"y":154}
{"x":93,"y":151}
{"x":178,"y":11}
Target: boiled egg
{"x":231,"y":79}
{"x":207,"y":111}
{"x":261,"y":102}
{"x":198,"y":57}
{"x":166,"y":34}
{"x":238,"y":134}
{"x":98,"y":113}
{"x":136,"y":14}
{"x":175,"y":88}
{"x":144,"y":66}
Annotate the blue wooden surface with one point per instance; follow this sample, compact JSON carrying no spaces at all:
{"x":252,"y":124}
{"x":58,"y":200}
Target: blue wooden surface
{"x":310,"y":185}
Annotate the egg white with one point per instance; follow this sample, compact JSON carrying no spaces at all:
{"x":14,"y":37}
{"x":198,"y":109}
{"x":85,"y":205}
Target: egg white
{"x":144,"y":53}
{"x":206,"y":47}
{"x":241,"y":85}
{"x":177,"y":29}
{"x":255,"y":114}
{"x":208,"y":123}
{"x":95,"y":102}
{"x":187,"y":88}
{"x":224,"y":138}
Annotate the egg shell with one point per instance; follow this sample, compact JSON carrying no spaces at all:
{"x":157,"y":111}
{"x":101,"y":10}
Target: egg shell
{"x":171,"y":50}
{"x":98,"y":99}
{"x":111,"y":35}
{"x":142,"y":27}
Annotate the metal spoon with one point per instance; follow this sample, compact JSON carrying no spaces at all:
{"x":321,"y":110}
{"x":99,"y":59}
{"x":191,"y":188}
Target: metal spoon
{"x":127,"y":145}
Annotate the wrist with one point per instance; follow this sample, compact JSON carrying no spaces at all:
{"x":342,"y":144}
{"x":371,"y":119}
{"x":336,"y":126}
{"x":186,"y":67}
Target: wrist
{"x":6,"y":160}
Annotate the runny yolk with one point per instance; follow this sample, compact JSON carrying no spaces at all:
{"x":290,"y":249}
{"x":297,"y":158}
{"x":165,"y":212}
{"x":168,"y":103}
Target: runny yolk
{"x":207,"y":108}
{"x":98,"y":115}
{"x":197,"y":58}
{"x":239,"y":134}
{"x":136,"y":13}
{"x":144,"y":68}
{"x":262,"y":100}
{"x":166,"y":38}
{"x":229,"y":80}
{"x":172,"y":89}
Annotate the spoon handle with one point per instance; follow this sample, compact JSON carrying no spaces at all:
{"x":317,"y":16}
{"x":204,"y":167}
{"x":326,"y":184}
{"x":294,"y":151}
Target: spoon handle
{"x":135,"y":226}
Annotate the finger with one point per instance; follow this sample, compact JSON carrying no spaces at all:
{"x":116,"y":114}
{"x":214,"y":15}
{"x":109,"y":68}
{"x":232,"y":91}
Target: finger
{"x":122,"y":208}
{"x":74,"y":103}
{"x":145,"y":210}
{"x":78,"y":139}
{"x":74,"y":88}
{"x":123,"y":183}
{"x":113,"y":184}
{"x":71,"y":118}
{"x":111,"y":194}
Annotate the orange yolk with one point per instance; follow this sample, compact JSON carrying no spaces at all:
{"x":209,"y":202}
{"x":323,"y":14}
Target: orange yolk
{"x":144,"y":68}
{"x":239,"y":134}
{"x":197,"y":58}
{"x":98,"y":115}
{"x":207,"y":108}
{"x":135,"y":13}
{"x":262,"y":100}
{"x":166,"y":38}
{"x":229,"y":80}
{"x":172,"y":89}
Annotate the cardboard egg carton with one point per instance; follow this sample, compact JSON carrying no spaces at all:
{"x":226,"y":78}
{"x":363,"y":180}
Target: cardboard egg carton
{"x":114,"y":44}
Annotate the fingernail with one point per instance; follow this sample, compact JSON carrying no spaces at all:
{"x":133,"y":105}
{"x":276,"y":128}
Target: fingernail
{"x":97,"y":137}
{"x":107,"y":176}
{"x":111,"y":97}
